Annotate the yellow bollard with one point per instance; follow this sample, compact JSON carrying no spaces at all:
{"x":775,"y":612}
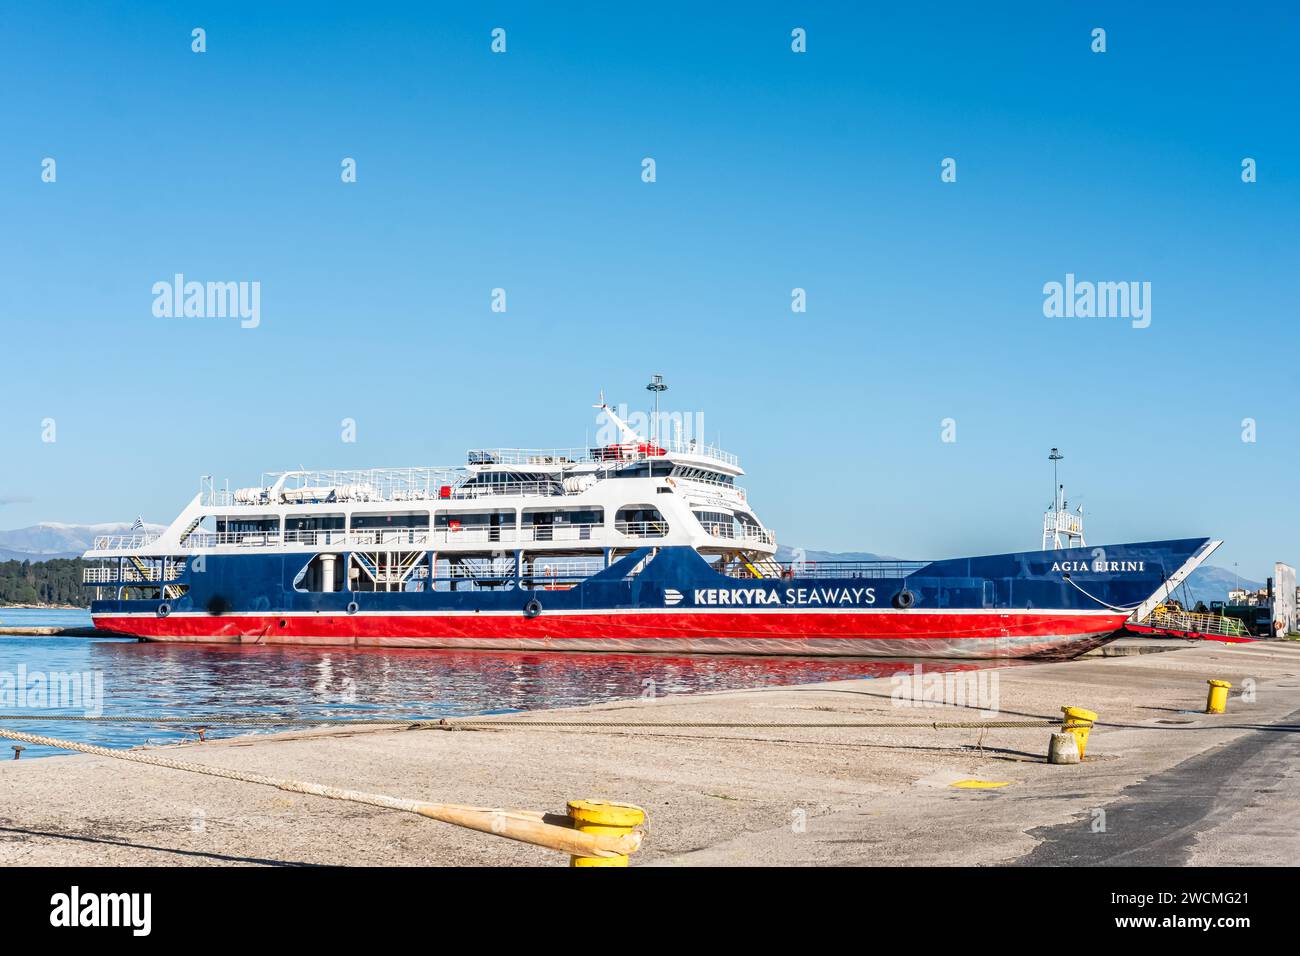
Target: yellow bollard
{"x":1217,"y":702}
{"x":603,"y":817}
{"x":1078,"y":722}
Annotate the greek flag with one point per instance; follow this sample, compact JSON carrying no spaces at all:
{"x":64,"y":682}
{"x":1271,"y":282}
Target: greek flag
{"x":138,"y":523}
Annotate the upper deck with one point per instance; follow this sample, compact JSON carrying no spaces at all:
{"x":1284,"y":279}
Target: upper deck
{"x":611,"y":496}
{"x":511,"y":471}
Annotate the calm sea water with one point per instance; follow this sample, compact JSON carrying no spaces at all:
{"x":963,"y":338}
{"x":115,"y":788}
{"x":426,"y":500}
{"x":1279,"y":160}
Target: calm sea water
{"x":183,"y":680}
{"x":41,"y":617}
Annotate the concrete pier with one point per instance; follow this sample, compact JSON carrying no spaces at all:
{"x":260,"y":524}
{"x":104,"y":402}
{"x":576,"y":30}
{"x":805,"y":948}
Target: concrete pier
{"x":1162,"y":783}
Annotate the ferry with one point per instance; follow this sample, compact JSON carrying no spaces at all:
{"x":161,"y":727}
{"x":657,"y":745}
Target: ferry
{"x":642,"y":544}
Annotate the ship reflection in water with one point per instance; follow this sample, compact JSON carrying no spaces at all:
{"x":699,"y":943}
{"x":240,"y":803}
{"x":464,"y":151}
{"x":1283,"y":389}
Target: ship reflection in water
{"x":181,"y":680}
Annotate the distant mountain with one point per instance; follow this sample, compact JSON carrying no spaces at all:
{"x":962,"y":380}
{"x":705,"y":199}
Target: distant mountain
{"x":52,"y":539}
{"x":786,"y":554}
{"x":1207,"y":583}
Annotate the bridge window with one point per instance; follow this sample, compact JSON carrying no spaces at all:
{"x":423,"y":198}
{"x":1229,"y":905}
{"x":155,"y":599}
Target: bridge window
{"x":691,"y":473}
{"x":645,"y":469}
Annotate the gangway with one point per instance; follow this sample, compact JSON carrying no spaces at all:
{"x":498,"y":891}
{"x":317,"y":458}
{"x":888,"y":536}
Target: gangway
{"x":1165,"y":621}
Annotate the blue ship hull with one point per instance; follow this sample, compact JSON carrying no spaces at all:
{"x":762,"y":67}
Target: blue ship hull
{"x":1038,"y":604}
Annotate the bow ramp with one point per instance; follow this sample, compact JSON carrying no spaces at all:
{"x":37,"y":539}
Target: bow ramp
{"x":1150,"y":617}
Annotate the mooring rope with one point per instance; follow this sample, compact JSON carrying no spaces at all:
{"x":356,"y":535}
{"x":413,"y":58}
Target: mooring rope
{"x":215,"y":719}
{"x":525,"y":826}
{"x":1092,"y":597}
{"x":750,"y":725}
{"x":459,"y":723}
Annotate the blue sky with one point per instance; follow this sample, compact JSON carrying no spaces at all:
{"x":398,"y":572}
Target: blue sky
{"x":775,"y":170}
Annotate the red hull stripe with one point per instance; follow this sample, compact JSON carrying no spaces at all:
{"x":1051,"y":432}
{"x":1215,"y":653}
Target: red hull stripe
{"x":667,"y":625}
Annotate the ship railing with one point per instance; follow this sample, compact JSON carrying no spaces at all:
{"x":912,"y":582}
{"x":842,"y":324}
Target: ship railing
{"x":559,"y":532}
{"x":614,"y":451}
{"x":548,"y":575}
{"x":480,"y":534}
{"x":731,"y":532}
{"x":526,"y":456}
{"x":502,"y":488}
{"x":226,"y":539}
{"x":371,"y":537}
{"x":503,"y":570}
{"x":416,"y":536}
{"x":679,"y":447}
{"x":474,"y":534}
{"x":124,"y":542}
{"x":853,"y":569}
{"x":562,"y":568}
{"x":316,"y":537}
{"x":384,"y":481}
{"x":1219,"y":625}
{"x":1067,"y":521}
{"x":647,"y":450}
{"x":642,"y":529}
{"x":130,"y":574}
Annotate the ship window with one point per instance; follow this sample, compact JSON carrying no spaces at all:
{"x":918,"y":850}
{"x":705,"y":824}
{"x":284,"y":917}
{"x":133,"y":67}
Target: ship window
{"x":463,"y":527}
{"x":703,"y":474}
{"x":314,"y":522}
{"x":562,"y":524}
{"x":394,"y":519}
{"x":477,"y":519}
{"x":717,"y":523}
{"x":640,"y":470}
{"x":254,"y":531}
{"x":641,"y":521}
{"x":314,"y":529}
{"x":564,"y":516}
{"x":716,"y":517}
{"x":507,"y":482}
{"x":269,"y":524}
{"x":645,"y":469}
{"x":504,"y":477}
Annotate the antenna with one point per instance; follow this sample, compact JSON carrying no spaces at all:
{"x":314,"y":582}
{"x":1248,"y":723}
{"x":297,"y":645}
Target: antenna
{"x":1054,"y":457}
{"x":1060,"y":523}
{"x":656,"y":385}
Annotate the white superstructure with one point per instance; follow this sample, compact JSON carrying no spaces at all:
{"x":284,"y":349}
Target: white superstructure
{"x":563,"y":511}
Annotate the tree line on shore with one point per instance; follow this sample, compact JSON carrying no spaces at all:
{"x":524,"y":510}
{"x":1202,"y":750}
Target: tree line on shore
{"x":57,"y":581}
